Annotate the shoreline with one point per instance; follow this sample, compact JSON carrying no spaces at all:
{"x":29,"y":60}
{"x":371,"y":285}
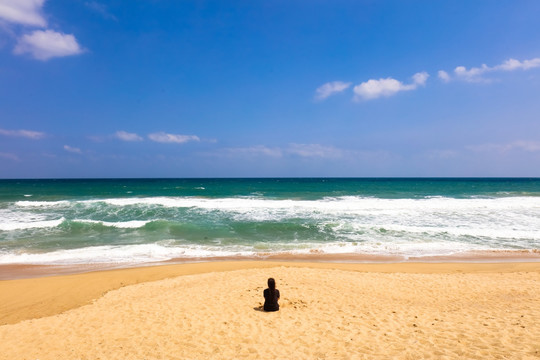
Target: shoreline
{"x":24,"y":271}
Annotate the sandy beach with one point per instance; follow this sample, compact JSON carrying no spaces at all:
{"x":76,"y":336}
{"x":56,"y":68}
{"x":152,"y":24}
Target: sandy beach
{"x":328,"y":311}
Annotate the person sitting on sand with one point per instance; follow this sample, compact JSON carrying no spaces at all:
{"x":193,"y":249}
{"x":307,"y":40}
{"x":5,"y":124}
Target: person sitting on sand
{"x":271,"y":296}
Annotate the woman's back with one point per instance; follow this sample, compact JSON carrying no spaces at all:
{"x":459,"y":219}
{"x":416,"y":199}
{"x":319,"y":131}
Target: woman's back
{"x":271,"y":296}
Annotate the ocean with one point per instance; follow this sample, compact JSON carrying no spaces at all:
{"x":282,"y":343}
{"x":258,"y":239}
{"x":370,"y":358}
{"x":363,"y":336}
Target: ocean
{"x":133,"y":221}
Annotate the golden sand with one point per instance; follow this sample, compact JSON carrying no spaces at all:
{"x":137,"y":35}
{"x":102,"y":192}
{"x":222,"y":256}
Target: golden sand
{"x":328,"y":311}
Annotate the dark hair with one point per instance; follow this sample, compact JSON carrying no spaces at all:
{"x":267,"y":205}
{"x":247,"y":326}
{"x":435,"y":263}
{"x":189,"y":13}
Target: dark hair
{"x":272,"y":284}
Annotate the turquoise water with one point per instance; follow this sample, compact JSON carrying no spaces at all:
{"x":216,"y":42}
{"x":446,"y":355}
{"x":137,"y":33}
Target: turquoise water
{"x":144,"y":220}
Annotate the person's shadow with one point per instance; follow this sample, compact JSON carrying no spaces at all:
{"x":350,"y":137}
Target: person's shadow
{"x":259,"y":308}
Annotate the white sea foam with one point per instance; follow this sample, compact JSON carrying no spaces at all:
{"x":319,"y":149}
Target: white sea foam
{"x":42,"y":204}
{"x":399,"y":248}
{"x":343,"y":204}
{"x":350,"y":224}
{"x":20,"y":220}
{"x":18,"y":225}
{"x":143,"y":253}
{"x":517,"y":217}
{"x":350,"y":204}
{"x":118,"y":254}
{"x":470,"y":230}
{"x":134,"y":224}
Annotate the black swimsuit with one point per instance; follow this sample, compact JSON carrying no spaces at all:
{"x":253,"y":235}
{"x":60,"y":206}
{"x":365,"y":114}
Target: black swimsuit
{"x":271,"y":302}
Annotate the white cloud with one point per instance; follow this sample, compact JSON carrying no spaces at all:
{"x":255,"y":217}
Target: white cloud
{"x":330,"y":88}
{"x":72,"y":149}
{"x":314,"y":150}
{"x":301,"y":150}
{"x":9,"y":156}
{"x":420,"y":78}
{"x":23,"y":12}
{"x":373,"y":89}
{"x":441,"y":154}
{"x":40,"y":44}
{"x":257,"y":150}
{"x":125,"y":136}
{"x":530,"y":146}
{"x":523,"y":145}
{"x":513,"y":64}
{"x":98,"y":138}
{"x":46,"y":44}
{"x":474,"y":74}
{"x":163,"y":137}
{"x":443,"y":75}
{"x":100,"y":9}
{"x":35,"y":135}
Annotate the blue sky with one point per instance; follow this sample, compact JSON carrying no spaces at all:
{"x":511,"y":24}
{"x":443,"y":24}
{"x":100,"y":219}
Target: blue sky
{"x":269,"y":88}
